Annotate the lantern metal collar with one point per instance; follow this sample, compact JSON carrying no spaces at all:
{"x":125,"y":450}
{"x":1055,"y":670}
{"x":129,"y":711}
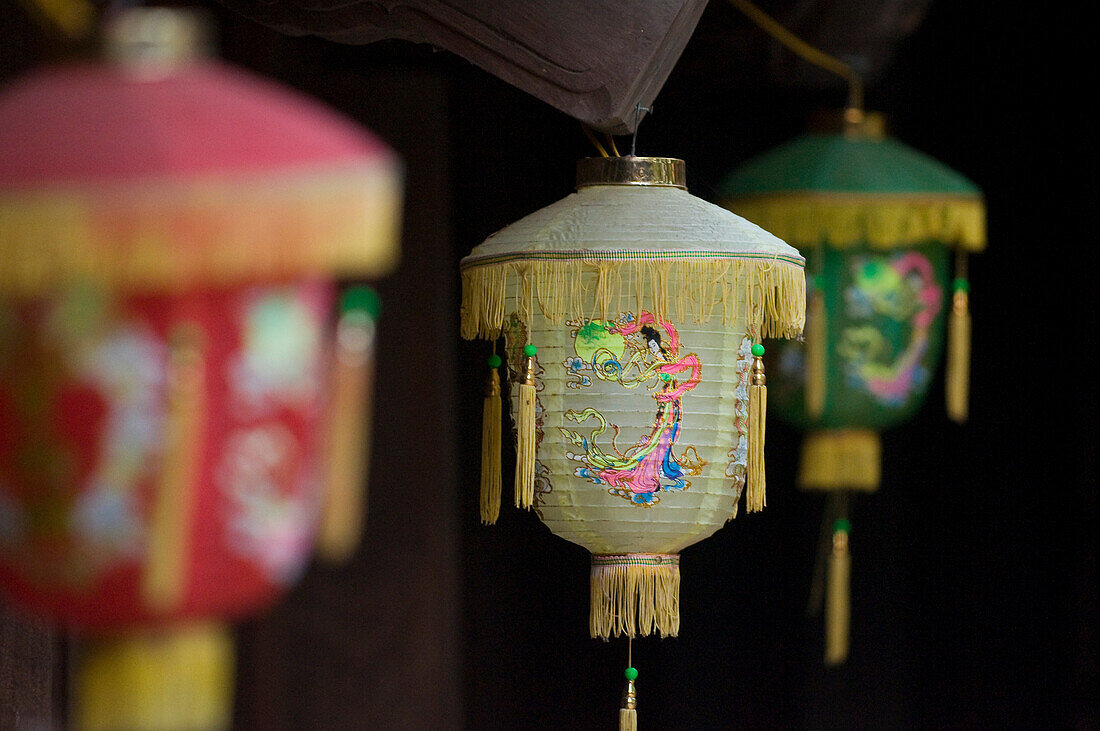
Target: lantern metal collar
{"x":665,"y":172}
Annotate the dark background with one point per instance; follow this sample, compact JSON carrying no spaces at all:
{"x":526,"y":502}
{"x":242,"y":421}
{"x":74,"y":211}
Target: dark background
{"x":974,"y":580}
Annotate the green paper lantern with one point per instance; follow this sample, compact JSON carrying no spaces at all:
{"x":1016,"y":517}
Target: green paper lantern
{"x":877,"y":222}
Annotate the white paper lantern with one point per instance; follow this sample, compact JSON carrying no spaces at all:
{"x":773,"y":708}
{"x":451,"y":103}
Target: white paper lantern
{"x":644,"y":303}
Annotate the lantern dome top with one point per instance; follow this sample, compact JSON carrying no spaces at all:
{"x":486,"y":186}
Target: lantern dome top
{"x":631,"y":207}
{"x":160,"y":170}
{"x":632,"y":219}
{"x":154,"y":40}
{"x":846,"y":181}
{"x":842,"y":162}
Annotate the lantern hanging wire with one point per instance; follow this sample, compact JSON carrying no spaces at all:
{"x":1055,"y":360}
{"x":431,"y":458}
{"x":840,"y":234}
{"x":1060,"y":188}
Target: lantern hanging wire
{"x":805,"y":51}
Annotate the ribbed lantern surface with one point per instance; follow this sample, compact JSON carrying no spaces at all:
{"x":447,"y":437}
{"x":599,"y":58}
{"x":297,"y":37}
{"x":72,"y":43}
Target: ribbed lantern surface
{"x":643,"y":302}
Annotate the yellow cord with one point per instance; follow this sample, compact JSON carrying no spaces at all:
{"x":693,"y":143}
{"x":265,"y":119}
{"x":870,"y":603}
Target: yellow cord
{"x":592,"y":138}
{"x":804,"y":50}
{"x":611,"y":143}
{"x":75,"y":18}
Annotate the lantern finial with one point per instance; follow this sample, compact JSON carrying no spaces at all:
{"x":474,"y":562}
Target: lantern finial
{"x":628,"y":712}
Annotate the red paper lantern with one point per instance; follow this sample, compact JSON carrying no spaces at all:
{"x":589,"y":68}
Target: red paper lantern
{"x":160,"y":455}
{"x":171,"y":230}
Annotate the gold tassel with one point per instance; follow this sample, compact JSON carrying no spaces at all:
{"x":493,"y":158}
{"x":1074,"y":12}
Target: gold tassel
{"x":490,"y":445}
{"x":758,"y":406}
{"x":164,"y":578}
{"x":816,"y":355}
{"x":349,"y":427}
{"x":525,"y":433}
{"x":628,"y":713}
{"x":837,"y":609}
{"x":957,"y":372}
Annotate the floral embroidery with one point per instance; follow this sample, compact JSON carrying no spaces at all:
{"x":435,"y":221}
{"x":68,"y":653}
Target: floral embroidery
{"x":277,"y":364}
{"x":74,"y":510}
{"x":266,"y":525}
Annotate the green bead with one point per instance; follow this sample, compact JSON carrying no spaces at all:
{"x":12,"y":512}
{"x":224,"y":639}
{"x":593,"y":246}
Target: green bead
{"x":361,"y":298}
{"x":961,"y":284}
{"x":757,"y":349}
{"x":631,"y":673}
{"x":665,"y":377}
{"x":494,"y":361}
{"x":529,"y":350}
{"x":842,"y":526}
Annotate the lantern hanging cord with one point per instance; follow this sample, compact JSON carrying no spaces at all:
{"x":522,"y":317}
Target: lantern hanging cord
{"x":594,"y":140}
{"x":804,"y":50}
{"x":611,"y":144}
{"x":76,"y":19}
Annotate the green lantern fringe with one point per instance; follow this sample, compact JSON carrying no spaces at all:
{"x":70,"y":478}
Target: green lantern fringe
{"x":882,"y":221}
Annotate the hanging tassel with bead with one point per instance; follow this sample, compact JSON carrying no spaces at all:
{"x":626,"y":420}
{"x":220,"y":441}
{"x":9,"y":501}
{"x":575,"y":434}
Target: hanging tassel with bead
{"x":837,"y":602}
{"x":525,"y":432}
{"x":957,"y":370}
{"x":490,"y":445}
{"x":628,"y":711}
{"x":758,"y":406}
{"x":164,"y":580}
{"x":348,"y":442}
{"x":816,"y":344}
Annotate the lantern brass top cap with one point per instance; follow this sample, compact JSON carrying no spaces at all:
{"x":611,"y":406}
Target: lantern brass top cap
{"x":665,"y":172}
{"x":140,"y":38}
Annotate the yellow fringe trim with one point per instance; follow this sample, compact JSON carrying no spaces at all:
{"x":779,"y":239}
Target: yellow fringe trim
{"x":628,"y":719}
{"x":172,"y":236}
{"x":181,"y":678}
{"x":882,"y":221}
{"x":768,"y":293}
{"x":841,"y":459}
{"x":635,"y":594}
